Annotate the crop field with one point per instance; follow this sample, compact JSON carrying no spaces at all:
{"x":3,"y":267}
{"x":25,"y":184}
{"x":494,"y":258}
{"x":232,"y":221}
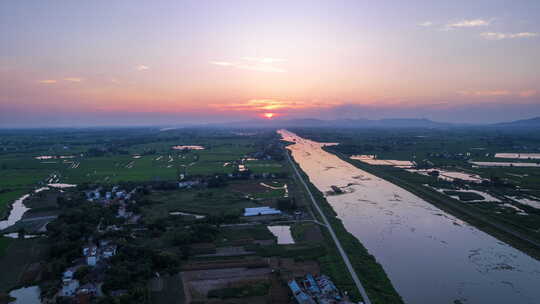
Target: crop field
{"x":260,"y":190}
{"x":259,"y":232}
{"x":259,"y":166}
{"x":30,"y":158}
{"x":15,"y":261}
{"x":210,"y":202}
{"x":154,"y":160}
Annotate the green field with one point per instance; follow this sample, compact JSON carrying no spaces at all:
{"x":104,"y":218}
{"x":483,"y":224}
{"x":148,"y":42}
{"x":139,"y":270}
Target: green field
{"x":14,"y":262}
{"x":4,"y":243}
{"x":210,"y":202}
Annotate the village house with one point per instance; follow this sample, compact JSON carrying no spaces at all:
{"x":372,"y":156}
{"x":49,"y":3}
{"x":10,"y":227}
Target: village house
{"x":91,"y":255}
{"x":261,"y":211}
{"x":87,"y":289}
{"x":69,"y":273}
{"x":69,"y":287}
{"x":108,"y":251}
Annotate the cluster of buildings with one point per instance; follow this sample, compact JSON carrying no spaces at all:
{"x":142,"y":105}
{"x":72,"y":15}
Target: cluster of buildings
{"x":100,"y":195}
{"x":316,"y":290}
{"x":94,"y":256}
{"x":115,"y":196}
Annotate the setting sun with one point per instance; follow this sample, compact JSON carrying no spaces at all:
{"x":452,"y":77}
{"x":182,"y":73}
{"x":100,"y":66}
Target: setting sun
{"x":268,"y":115}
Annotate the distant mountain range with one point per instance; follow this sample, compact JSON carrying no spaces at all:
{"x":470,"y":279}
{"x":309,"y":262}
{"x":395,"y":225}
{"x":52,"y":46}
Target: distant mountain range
{"x":339,"y":123}
{"x":369,"y":123}
{"x":524,"y":123}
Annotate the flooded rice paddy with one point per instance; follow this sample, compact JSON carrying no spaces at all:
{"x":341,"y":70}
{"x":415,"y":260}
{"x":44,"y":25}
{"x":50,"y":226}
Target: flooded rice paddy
{"x":429,"y":255}
{"x":449,"y":175}
{"x":526,"y":201}
{"x":188,"y":147}
{"x":518,"y":155}
{"x":503,"y":164}
{"x":283,"y":234}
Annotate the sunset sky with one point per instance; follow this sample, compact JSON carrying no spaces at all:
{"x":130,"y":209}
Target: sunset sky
{"x":119,"y":62}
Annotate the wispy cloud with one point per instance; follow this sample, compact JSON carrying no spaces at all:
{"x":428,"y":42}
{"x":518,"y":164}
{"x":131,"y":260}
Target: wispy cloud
{"x":48,"y":81}
{"x":142,"y":67}
{"x":426,"y":23}
{"x":266,"y":60}
{"x":485,"y":93}
{"x":468,"y":23}
{"x":260,"y":64}
{"x":501,"y":36}
{"x":73,"y":79}
{"x":495,"y":93}
{"x":222,"y":63}
{"x":53,"y":81}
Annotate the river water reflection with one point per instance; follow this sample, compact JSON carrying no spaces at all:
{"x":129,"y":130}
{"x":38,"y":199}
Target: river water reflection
{"x":429,"y":255}
{"x":26,"y":295}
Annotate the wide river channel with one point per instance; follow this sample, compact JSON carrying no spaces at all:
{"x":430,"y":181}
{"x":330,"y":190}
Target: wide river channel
{"x":429,"y":255}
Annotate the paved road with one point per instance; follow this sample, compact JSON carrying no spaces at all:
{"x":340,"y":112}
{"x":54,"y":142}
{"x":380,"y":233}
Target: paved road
{"x":354,"y":276}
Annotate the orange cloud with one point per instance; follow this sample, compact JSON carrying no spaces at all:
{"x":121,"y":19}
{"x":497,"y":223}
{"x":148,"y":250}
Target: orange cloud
{"x":528,"y":93}
{"x":263,"y":105}
{"x":47,"y":81}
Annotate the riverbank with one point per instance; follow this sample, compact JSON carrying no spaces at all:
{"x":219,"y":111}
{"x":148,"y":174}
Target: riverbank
{"x":373,"y":277}
{"x":508,"y":233}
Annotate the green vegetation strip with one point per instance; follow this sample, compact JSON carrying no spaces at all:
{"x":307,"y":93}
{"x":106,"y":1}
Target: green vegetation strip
{"x":258,"y":289}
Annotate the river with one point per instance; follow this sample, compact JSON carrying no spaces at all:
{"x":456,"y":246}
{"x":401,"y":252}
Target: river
{"x":17,"y":211}
{"x":429,"y":255}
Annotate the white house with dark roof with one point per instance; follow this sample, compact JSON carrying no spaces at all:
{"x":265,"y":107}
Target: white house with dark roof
{"x":91,"y":255}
